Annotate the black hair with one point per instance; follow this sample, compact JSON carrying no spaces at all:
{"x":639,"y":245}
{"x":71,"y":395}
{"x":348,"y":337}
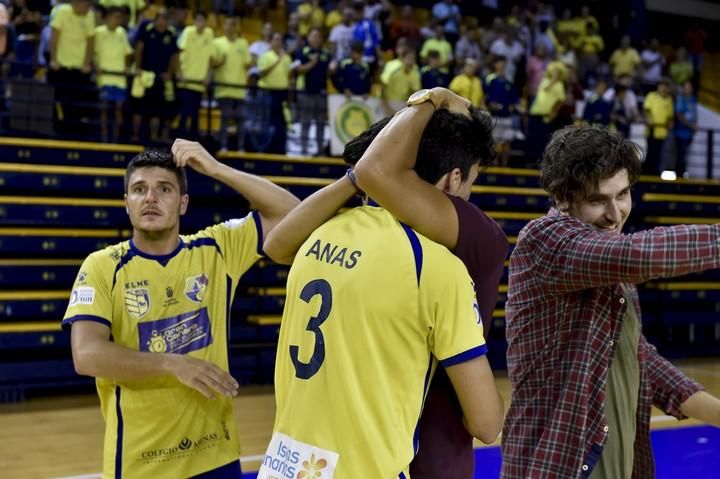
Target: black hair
{"x":111,"y":10}
{"x":357,"y":47}
{"x":578,"y":157}
{"x":450,"y":140}
{"x":160,"y":159}
{"x":433,"y":54}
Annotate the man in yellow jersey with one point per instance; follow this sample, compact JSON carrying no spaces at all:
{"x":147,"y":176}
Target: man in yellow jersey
{"x":372,"y":306}
{"x":149,"y":320}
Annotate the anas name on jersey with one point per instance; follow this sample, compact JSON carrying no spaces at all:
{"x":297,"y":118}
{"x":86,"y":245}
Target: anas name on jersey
{"x":334,"y":254}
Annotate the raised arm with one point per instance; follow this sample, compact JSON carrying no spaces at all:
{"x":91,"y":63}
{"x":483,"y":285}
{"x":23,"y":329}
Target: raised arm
{"x":271,"y":201}
{"x":386,"y":171}
{"x":569,"y":255}
{"x":283,"y":242}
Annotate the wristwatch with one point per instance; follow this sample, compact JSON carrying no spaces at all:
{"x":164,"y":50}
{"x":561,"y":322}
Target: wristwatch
{"x":421,"y":96}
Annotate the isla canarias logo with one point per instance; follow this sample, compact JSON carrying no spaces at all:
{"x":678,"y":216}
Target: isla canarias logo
{"x":312,"y":469}
{"x":195,"y":287}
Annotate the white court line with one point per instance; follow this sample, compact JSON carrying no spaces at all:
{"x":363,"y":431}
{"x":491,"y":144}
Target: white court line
{"x":98,"y":475}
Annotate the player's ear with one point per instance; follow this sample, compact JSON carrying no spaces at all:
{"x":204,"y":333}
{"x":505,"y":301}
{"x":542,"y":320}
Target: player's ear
{"x":454,"y":180}
{"x":127,"y":209}
{"x":184,"y":201}
{"x":444,"y":183}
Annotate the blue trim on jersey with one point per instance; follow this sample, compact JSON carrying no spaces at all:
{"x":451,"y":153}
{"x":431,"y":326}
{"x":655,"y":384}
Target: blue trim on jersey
{"x":465,"y":356}
{"x":402,"y":476}
{"x":417,"y":249}
{"x":231,"y":470}
{"x":200,"y":242}
{"x":163,"y":259}
{"x":426,"y":385}
{"x":119,"y":440}
{"x":228,"y":306}
{"x":258,"y":225}
{"x":66,"y":323}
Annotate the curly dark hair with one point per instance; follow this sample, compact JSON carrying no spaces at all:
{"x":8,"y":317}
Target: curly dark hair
{"x":161,"y":159}
{"x":450,"y":140}
{"x":578,"y":157}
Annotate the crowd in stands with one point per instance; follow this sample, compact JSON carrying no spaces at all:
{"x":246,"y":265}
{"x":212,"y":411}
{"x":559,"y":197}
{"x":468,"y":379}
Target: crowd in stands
{"x":153,"y":65}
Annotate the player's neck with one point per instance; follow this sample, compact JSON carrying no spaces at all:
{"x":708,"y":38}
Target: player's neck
{"x":156,"y":243}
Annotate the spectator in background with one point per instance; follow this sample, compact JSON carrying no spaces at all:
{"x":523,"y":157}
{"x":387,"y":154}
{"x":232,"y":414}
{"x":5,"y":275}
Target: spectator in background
{"x":448,"y":15}
{"x":196,"y":51}
{"x":335,"y":17}
{"x":681,"y":70}
{"x":433,"y":75}
{"x":341,"y":36}
{"x":619,"y":114}
{"x":468,"y":85}
{"x":156,"y":53}
{"x":398,"y":83}
{"x":468,"y":46}
{"x":544,"y":36}
{"x":566,"y":54}
{"x":292,"y":39}
{"x":652,"y":62}
{"x":7,"y":47}
{"x":488,"y":37}
{"x":71,"y":55}
{"x":695,"y":39}
{"x":232,"y":60}
{"x":546,"y":106}
{"x":134,"y":7}
{"x":26,"y":23}
{"x":440,"y":44}
{"x":597,"y":108}
{"x":406,"y":26}
{"x":401,"y":46}
{"x":260,"y":46}
{"x":353,"y":75}
{"x":274,"y":72}
{"x":366,"y":33}
{"x":502,"y":99}
{"x":507,"y":46}
{"x":659,"y":113}
{"x":686,"y":124}
{"x":311,"y":15}
{"x":591,"y":45}
{"x":586,"y":20}
{"x":625,"y":60}
{"x":112,"y":54}
{"x":536,"y":66}
{"x":313,"y":70}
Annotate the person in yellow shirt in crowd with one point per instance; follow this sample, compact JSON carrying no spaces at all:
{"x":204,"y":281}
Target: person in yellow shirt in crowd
{"x":625,"y":60}
{"x":274,"y":70}
{"x":71,"y":55}
{"x":335,"y":17}
{"x":232,"y":60}
{"x":398,"y":83}
{"x":468,"y":85}
{"x":659,"y":113}
{"x":196,"y":50}
{"x":112,"y":55}
{"x":439,"y":44}
{"x":548,"y":101}
{"x":681,"y":70}
{"x":312,"y":15}
{"x":584,"y":20}
{"x":591,"y":45}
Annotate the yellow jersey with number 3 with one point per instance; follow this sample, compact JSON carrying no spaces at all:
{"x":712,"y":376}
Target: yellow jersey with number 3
{"x":369,"y":305}
{"x":178,"y":303}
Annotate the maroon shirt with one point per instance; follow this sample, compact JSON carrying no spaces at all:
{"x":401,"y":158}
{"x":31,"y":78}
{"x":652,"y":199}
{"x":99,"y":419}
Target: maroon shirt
{"x":446,"y":448}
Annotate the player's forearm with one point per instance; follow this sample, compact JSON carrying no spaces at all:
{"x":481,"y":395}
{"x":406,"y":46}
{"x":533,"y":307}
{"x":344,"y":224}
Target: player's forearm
{"x":392,"y":154}
{"x":703,"y":407}
{"x":105,"y":359}
{"x":271,"y":201}
{"x":283,"y":242}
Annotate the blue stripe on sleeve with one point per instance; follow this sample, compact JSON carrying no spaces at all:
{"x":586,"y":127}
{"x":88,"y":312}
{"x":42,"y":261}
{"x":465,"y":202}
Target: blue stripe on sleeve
{"x":417,"y":249}
{"x":464,"y":356}
{"x":84,"y":317}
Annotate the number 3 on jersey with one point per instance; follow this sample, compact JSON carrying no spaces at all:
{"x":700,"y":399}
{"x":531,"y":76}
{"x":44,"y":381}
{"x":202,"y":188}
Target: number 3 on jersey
{"x":313,"y":288}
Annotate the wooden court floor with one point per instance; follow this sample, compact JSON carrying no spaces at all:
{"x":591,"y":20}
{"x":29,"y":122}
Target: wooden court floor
{"x":60,"y":437}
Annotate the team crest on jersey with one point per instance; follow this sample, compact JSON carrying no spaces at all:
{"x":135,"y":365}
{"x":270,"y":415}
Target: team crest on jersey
{"x":195,"y":287}
{"x":137,"y":302}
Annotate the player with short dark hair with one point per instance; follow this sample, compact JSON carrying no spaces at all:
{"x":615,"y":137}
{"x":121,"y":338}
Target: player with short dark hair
{"x":149,"y":320}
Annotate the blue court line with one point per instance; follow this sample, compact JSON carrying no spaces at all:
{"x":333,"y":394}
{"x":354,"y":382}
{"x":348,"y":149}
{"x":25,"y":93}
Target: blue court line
{"x":690,"y":452}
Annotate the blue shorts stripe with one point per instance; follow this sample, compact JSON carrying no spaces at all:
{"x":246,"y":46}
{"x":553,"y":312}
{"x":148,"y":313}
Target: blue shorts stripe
{"x":119,"y":440}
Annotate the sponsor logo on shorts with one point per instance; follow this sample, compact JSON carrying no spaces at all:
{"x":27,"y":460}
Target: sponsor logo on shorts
{"x":287,"y":458}
{"x":183,"y":448}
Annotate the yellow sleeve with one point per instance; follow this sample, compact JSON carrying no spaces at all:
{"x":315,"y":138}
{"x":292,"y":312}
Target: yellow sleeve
{"x":265,"y":60}
{"x":91,"y":296}
{"x":425,"y":49}
{"x":182,"y":40}
{"x":58,"y":20}
{"x":218,"y":52}
{"x":480,"y":93}
{"x":240,"y":242}
{"x":448,"y":298}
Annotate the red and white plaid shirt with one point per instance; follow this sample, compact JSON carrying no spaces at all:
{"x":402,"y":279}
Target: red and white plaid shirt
{"x":564,"y":311}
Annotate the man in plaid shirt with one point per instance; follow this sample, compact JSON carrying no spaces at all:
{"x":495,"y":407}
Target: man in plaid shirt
{"x":584,"y":378}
